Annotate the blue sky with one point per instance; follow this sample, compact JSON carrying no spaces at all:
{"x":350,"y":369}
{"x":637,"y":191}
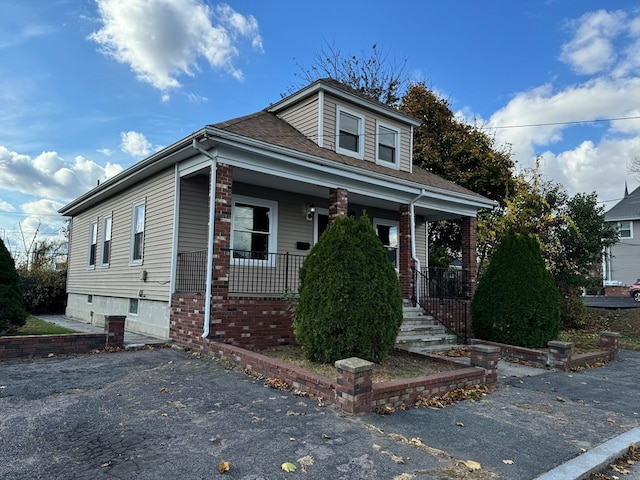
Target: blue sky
{"x":87,"y":88}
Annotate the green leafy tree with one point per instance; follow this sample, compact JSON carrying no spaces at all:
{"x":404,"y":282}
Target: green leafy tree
{"x":571,"y":230}
{"x":350,"y":302}
{"x":12,"y":311}
{"x":458,"y":152}
{"x":516,"y":301}
{"x":43,"y":284}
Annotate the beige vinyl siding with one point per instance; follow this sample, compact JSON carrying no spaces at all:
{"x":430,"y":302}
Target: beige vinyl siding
{"x":370,"y":129}
{"x":194,"y":214}
{"x":120,"y":279}
{"x":421,"y":242}
{"x":304,"y":117}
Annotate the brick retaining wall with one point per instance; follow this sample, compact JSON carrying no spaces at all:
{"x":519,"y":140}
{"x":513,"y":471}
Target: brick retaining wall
{"x":28,"y":346}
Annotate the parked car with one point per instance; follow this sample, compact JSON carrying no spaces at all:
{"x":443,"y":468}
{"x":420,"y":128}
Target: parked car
{"x":634,"y":290}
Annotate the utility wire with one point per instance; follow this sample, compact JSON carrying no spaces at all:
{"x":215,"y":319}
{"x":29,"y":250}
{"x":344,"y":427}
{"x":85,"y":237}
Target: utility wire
{"x":574,"y":122}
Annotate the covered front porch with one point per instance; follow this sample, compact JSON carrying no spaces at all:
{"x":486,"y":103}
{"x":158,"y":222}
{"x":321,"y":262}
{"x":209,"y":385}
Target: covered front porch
{"x":239,"y":251}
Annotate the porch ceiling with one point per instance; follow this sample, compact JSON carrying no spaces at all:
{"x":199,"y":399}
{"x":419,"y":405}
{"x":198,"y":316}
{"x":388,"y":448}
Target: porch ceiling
{"x":313,"y":190}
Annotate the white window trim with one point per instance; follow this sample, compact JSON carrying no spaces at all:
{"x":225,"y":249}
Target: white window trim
{"x":129,"y":307}
{"x":143,"y":203}
{"x":95,"y":260}
{"x":389,"y":223}
{"x":273,"y":230}
{"x":630,"y":237}
{"x":109,"y":217}
{"x":396,"y":164}
{"x":319,"y":211}
{"x":360,"y":153}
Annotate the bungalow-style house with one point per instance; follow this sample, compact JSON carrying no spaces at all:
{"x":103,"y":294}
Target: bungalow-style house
{"x":202,"y":240}
{"x":621,"y":266}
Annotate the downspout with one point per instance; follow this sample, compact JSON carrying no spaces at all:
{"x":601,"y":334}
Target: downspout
{"x":414,"y":255}
{"x":212,"y":205}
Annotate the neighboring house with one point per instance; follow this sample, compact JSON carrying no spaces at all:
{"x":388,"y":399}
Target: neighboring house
{"x":154,"y":244}
{"x":621,"y":264}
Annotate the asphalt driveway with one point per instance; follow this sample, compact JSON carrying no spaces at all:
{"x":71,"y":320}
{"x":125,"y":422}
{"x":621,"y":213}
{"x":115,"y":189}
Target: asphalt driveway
{"x":166,"y":414}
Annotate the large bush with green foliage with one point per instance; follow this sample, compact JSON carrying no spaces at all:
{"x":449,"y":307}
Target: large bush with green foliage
{"x":44,"y":290}
{"x":350,"y":303}
{"x":517,"y":301}
{"x":12,"y":311}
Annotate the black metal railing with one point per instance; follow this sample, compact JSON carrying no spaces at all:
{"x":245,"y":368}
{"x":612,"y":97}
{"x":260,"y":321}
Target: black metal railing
{"x":261,"y":273}
{"x":255,"y":273}
{"x":444,"y":302}
{"x":191,"y":272}
{"x":454,"y":281}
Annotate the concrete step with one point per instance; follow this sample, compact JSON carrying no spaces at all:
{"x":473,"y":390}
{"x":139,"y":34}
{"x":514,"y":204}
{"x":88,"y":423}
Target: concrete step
{"x":430,"y":349}
{"x":421,"y":328}
{"x":409,"y":341}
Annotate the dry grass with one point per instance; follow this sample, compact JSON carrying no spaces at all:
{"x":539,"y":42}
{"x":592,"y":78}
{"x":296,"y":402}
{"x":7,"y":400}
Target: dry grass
{"x":624,"y":321}
{"x":397,"y":365}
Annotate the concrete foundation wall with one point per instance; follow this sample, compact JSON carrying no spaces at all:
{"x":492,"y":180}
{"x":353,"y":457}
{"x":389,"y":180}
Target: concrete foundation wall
{"x":152,"y":318}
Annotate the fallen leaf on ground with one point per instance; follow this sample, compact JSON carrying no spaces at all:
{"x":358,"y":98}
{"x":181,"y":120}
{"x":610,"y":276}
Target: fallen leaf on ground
{"x":459,"y":424}
{"x":472,"y":465}
{"x":305,"y":462}
{"x":507,"y":462}
{"x":289,"y":467}
{"x":325,"y":436}
{"x":224,"y":467}
{"x":164,"y":390}
{"x":106,"y":464}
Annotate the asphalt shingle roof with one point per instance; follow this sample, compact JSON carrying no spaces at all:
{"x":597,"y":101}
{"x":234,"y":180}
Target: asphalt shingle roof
{"x":626,"y":209}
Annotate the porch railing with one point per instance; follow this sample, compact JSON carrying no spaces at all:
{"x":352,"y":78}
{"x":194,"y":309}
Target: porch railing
{"x":444,"y":301}
{"x":254,"y":273}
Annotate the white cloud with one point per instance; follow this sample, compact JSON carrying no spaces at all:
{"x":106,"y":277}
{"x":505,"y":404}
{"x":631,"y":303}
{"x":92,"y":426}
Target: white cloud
{"x":105,"y":151}
{"x":591,"y":156}
{"x":591,"y":50}
{"x":6,"y":207}
{"x":50,"y":176}
{"x":164,"y":39}
{"x":135,"y":143}
{"x":194,"y":98}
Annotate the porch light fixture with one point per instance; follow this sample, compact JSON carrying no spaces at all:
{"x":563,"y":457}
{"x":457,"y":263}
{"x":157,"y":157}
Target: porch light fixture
{"x":310,"y":211}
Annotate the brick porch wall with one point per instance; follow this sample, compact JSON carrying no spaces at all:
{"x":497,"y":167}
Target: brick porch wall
{"x":405,"y":262}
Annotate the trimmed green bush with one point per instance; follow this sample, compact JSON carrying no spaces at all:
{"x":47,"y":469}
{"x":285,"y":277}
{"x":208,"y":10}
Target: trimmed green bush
{"x":12,"y":311}
{"x":517,"y":301}
{"x":350,"y":302}
{"x":44,"y":290}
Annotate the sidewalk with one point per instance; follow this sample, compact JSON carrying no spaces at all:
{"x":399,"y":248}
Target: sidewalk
{"x":130,"y":338}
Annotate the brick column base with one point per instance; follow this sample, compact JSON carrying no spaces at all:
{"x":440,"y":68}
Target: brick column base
{"x":114,"y":331}
{"x":486,"y":356}
{"x":559,"y":354}
{"x":611,"y":341}
{"x":354,"y":385}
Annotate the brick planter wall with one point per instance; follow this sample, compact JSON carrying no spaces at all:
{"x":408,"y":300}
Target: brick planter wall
{"x":560,"y":354}
{"x":72,"y":343}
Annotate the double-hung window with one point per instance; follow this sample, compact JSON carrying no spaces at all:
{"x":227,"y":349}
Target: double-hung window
{"x":625,"y":230}
{"x":387,"y":231}
{"x":93,"y":244}
{"x":253,"y":230}
{"x":387,"y":146}
{"x":350,"y":133}
{"x":106,"y":241}
{"x":137,"y":233}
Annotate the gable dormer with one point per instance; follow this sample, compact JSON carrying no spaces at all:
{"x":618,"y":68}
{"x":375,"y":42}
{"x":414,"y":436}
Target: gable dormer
{"x":339,"y":119}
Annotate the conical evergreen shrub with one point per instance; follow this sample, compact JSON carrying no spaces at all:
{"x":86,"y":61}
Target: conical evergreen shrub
{"x":350,"y":302}
{"x":12,"y":311}
{"x":517,"y":301}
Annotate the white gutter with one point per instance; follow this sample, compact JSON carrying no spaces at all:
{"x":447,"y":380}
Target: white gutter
{"x":414,"y":255}
{"x":212,"y":206}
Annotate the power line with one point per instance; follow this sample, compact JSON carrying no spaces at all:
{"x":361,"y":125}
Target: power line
{"x":574,"y":122}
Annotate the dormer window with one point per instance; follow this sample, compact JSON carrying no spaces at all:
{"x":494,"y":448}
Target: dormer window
{"x":387,"y":146}
{"x":350,"y":133}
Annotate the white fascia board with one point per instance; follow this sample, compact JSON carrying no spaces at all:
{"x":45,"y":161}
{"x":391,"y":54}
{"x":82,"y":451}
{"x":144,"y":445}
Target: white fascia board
{"x":138,"y":171}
